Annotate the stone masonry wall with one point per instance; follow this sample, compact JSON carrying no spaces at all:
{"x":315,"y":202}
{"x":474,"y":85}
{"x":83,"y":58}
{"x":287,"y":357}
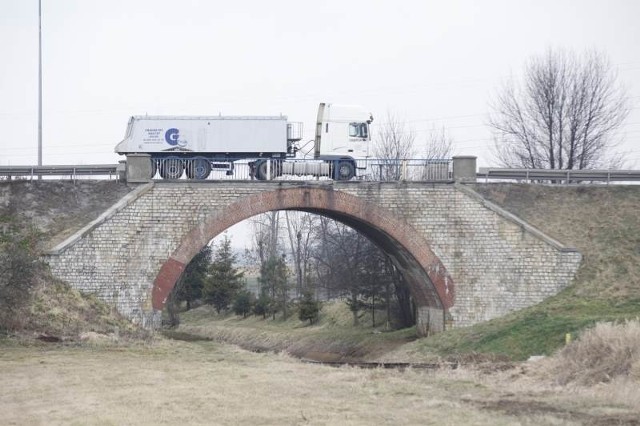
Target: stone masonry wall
{"x":497,"y":263}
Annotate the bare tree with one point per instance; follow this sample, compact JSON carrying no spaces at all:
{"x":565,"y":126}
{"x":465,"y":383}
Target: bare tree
{"x":266,"y":235}
{"x":436,"y":151}
{"x":563,"y":116}
{"x":438,"y":145}
{"x":393,"y":142}
{"x":300,"y":226}
{"x":350,"y":266}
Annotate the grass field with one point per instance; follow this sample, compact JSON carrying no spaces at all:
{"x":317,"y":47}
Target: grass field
{"x":332,"y":338}
{"x":171,"y":382}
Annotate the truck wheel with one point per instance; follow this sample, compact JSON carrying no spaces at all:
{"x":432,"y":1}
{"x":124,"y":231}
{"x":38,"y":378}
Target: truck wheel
{"x":345,"y":170}
{"x":198,"y":168}
{"x":261,"y":170}
{"x":171,"y":168}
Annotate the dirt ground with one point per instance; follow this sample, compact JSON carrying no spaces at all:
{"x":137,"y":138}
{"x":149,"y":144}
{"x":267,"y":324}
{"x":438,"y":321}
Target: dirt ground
{"x":170,"y":382}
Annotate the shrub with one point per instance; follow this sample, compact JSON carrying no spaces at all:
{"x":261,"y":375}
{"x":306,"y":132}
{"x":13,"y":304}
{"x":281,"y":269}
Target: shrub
{"x":600,"y":354}
{"x":262,"y":305}
{"x":308,"y":308}
{"x":20,"y":268}
{"x":243,"y":303}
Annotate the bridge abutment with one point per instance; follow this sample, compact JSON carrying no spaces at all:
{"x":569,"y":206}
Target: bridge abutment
{"x":429,"y":320}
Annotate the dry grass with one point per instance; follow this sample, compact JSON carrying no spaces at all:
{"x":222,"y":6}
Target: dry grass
{"x":604,"y":353}
{"x":60,"y":310}
{"x":57,"y":311}
{"x":58,"y":208}
{"x":602,"y":222}
{"x":332,"y":338}
{"x":168,"y":382}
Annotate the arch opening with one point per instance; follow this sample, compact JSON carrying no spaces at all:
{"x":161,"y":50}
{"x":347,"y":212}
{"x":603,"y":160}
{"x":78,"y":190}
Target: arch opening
{"x":428,"y":281}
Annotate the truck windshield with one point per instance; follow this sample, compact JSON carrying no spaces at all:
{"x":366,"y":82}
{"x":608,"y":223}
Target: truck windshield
{"x":358,"y":130}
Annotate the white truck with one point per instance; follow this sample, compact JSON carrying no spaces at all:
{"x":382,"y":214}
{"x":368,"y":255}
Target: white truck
{"x":197,"y":144}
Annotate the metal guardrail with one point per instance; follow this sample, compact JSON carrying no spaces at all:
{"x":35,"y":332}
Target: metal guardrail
{"x":407,"y":169}
{"x":369,"y":170}
{"x":306,"y":169}
{"x":73,"y":172}
{"x":559,"y":176}
{"x":296,"y":169}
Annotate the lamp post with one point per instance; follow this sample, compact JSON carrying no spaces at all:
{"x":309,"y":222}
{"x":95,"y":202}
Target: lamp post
{"x":40,"y":84}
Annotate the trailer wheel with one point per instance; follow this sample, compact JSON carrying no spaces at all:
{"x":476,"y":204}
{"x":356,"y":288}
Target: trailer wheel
{"x":198,"y":168}
{"x":171,"y":168}
{"x":261,"y":170}
{"x":345,"y":170}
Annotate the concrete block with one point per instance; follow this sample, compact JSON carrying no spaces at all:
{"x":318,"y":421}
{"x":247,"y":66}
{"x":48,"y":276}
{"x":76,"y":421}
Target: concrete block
{"x":139,"y":168}
{"x":464,"y":168}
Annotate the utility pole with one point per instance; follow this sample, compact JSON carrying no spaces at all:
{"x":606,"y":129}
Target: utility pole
{"x":40,"y":85}
{"x":299,"y":264}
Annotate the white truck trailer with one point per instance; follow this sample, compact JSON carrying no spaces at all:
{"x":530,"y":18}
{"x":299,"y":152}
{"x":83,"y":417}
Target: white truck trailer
{"x":196,"y":144}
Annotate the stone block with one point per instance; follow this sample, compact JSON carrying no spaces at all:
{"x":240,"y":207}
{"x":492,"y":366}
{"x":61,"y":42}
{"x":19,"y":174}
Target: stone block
{"x":139,"y":168}
{"x":464,"y":168}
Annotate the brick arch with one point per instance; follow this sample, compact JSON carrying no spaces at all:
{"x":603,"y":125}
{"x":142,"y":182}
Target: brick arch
{"x":429,"y":282}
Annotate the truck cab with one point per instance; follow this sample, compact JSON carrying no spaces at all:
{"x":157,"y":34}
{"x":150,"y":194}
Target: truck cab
{"x":342,"y":131}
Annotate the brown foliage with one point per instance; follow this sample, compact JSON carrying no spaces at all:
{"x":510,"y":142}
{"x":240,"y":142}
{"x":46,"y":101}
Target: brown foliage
{"x":601,"y":354}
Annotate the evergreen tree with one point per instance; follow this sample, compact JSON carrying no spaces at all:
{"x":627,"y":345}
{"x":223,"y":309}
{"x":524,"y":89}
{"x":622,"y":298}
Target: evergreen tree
{"x":224,"y":280}
{"x":243,"y":303}
{"x":308,"y":308}
{"x":261,"y":307}
{"x":274,"y":283}
{"x":194,"y":277}
{"x":189,"y":286}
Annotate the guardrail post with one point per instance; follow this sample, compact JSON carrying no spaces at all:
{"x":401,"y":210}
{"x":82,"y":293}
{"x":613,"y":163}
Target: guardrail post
{"x":464,"y":168}
{"x":121,"y":171}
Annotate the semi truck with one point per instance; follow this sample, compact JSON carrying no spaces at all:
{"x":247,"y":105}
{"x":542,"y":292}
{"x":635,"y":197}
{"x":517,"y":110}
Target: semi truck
{"x":193,"y":146}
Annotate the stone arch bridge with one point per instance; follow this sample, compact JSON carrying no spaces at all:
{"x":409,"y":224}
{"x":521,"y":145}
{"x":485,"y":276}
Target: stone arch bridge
{"x":465,"y":259}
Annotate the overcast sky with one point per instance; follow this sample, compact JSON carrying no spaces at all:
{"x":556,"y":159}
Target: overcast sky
{"x":431,"y":63}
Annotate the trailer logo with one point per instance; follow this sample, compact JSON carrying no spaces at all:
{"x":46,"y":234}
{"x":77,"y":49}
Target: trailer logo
{"x":172,"y":136}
